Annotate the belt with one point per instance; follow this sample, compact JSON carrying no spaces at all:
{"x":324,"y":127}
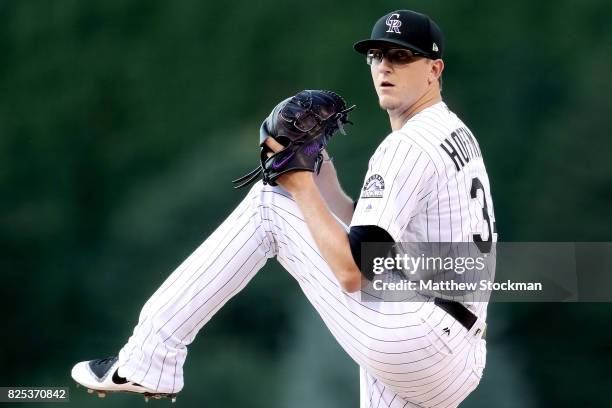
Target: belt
{"x":461,"y":313}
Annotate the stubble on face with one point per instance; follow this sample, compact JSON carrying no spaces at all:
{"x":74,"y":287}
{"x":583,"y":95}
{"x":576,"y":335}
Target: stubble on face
{"x":388,"y":104}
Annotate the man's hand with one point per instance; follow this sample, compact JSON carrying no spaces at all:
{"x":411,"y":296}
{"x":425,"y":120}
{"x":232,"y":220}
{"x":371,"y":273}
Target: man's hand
{"x":327,"y":182}
{"x":293,"y":180}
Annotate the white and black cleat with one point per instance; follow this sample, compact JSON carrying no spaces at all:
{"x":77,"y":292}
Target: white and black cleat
{"x":101,"y":376}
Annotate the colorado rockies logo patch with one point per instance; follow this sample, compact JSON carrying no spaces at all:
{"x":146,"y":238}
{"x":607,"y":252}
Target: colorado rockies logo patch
{"x":393,"y":23}
{"x":373,"y":187}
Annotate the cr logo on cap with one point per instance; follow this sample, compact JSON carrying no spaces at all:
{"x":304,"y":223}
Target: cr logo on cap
{"x":393,"y":23}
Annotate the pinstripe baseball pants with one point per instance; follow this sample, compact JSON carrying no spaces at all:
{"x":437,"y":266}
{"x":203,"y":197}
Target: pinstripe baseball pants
{"x":406,"y":359}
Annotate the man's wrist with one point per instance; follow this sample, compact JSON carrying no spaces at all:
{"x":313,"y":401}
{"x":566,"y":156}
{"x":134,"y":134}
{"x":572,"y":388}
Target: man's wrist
{"x":305,"y":186}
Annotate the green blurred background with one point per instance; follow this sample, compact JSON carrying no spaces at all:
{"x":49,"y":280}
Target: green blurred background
{"x":123,"y":122}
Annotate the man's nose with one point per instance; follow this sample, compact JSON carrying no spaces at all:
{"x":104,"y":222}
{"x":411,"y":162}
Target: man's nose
{"x":384,"y":65}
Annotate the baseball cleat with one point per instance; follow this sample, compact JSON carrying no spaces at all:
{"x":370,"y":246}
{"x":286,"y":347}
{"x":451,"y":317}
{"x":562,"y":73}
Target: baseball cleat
{"x":101,"y":376}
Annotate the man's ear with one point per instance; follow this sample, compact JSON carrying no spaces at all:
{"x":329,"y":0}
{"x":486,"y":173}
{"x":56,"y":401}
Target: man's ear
{"x":437,"y":66}
{"x":435,"y":70}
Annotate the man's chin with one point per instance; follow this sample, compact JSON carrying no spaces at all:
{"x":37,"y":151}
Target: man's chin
{"x":387,"y":104}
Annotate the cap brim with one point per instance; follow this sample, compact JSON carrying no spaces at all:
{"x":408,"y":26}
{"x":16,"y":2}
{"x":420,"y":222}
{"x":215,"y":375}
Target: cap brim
{"x":363,"y":46}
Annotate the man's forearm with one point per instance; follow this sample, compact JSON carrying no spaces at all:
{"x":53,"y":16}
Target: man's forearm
{"x":329,"y":186}
{"x":331,"y":238}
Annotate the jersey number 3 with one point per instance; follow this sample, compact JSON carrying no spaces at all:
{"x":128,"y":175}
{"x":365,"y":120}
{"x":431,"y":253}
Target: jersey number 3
{"x":483,"y":246}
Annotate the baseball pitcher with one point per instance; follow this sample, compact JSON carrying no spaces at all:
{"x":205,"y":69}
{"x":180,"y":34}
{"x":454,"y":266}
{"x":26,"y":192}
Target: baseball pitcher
{"x":426,"y":182}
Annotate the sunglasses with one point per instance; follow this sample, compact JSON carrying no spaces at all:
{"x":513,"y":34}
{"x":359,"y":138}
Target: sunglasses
{"x":396,"y":56}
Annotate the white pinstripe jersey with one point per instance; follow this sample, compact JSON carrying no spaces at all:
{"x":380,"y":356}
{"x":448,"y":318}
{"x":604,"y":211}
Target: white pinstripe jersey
{"x":427,"y":182}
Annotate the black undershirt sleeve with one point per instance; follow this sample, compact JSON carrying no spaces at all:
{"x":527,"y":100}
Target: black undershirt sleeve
{"x":367,"y":233}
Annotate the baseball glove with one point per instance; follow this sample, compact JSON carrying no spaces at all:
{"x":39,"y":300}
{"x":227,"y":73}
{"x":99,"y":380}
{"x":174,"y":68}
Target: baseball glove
{"x":303,"y":124}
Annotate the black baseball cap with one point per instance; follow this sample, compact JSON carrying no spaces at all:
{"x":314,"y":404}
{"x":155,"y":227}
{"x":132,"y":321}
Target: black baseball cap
{"x":406,"y":29}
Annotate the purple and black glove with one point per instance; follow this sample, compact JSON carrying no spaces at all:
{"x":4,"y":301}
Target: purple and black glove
{"x":303,"y":124}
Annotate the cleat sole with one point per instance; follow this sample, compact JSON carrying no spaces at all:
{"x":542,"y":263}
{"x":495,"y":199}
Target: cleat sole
{"x":147,"y":395}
